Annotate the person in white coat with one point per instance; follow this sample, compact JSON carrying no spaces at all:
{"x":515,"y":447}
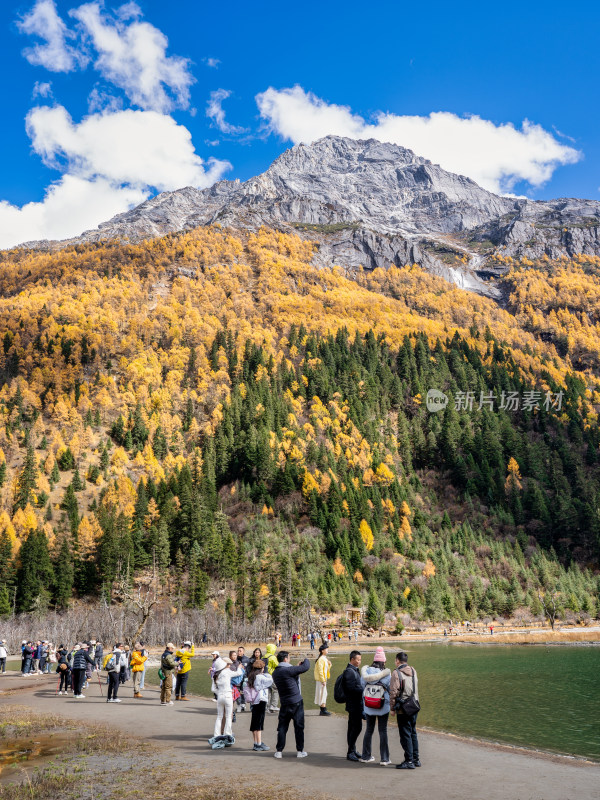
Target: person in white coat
{"x":222,"y":680}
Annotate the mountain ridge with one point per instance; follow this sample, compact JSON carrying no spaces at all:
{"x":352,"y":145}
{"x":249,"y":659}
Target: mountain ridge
{"x":372,"y":204}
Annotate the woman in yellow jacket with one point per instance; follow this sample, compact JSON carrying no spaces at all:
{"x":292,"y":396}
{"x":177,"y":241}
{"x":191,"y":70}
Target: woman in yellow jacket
{"x":322,"y":672}
{"x":183,"y":654}
{"x":136,"y":665}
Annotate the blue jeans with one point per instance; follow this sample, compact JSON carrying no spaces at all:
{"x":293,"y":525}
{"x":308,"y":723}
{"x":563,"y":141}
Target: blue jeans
{"x":27,"y":666}
{"x":407,"y":726}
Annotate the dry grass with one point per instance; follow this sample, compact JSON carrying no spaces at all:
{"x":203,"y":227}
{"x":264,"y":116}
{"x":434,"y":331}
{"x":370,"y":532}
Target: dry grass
{"x":19,"y":722}
{"x":538,"y":637}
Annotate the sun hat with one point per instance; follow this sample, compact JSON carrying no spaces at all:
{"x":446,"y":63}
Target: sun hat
{"x":379,"y":655}
{"x":220,"y":663}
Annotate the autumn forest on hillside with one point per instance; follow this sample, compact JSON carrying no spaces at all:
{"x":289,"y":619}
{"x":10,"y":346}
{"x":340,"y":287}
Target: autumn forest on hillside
{"x":212,"y":417}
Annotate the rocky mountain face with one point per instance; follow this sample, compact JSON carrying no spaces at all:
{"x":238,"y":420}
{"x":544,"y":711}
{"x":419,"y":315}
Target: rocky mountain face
{"x":374,"y":204}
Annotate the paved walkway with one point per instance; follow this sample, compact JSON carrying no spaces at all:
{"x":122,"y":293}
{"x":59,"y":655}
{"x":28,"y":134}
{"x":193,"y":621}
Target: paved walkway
{"x":452,"y":768}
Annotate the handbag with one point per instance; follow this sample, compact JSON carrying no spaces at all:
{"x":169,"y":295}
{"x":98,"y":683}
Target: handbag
{"x":411,"y":705}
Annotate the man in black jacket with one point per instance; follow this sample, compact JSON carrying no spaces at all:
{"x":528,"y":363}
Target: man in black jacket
{"x":287,"y":680}
{"x":81,"y":658}
{"x":353,"y":688}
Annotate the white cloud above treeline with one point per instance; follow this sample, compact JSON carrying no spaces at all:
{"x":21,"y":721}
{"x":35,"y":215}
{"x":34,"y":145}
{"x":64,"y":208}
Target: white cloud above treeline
{"x":115,"y":157}
{"x":496,"y":156}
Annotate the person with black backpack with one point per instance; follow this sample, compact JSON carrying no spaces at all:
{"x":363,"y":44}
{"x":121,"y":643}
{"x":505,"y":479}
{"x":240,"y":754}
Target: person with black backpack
{"x":376,"y":697}
{"x":113,"y":663}
{"x":167,"y":667}
{"x":404,"y":700}
{"x":350,"y":686}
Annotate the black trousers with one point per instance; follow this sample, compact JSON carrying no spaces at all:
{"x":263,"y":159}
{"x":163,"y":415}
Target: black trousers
{"x":382,"y":722}
{"x":78,"y":678}
{"x":113,"y":684}
{"x":65,"y":680}
{"x":257,"y":723}
{"x":407,"y":726}
{"x":287,"y":714}
{"x":354,"y":728}
{"x":3,"y":664}
{"x":181,"y":683}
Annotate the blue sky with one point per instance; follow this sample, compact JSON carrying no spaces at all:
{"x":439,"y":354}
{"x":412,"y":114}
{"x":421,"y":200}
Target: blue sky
{"x":106,"y":103}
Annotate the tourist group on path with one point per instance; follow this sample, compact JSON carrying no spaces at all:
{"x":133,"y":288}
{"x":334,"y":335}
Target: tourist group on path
{"x":371,"y":693}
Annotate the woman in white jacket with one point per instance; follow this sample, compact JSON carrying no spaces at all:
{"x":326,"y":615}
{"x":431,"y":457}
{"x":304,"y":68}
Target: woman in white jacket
{"x":256,"y":694}
{"x":222,"y":680}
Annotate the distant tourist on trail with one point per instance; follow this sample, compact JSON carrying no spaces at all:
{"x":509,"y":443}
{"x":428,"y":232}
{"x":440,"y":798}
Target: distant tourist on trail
{"x":99,"y":655}
{"x":293,"y":640}
{"x":272,"y":664}
{"x":81,"y":658}
{"x":113,"y":664}
{"x":312,"y":641}
{"x":183,"y":671}
{"x":225,"y":670}
{"x":256,"y":656}
{"x":144,"y":652}
{"x":242,"y":660}
{"x":491,"y":630}
{"x":287,"y":681}
{"x":322,"y":672}
{"x":376,"y":697}
{"x":3,"y":655}
{"x":63,"y":669}
{"x":204,"y":638}
{"x":353,"y":686}
{"x":211,"y":672}
{"x":256,"y":693}
{"x":167,"y":665}
{"x":404,"y":700}
{"x":124,"y":672}
{"x":137,"y":668}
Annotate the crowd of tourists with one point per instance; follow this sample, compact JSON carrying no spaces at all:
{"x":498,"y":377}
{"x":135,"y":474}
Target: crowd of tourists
{"x":270,"y":683}
{"x":260,"y":683}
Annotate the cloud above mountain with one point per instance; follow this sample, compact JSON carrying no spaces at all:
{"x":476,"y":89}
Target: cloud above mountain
{"x":496,"y":156}
{"x":115,"y":157}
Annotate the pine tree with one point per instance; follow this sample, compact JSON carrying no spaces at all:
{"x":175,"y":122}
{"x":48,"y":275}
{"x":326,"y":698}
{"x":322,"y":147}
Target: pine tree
{"x":374,"y":614}
{"x":35,"y":575}
{"x":26,"y":482}
{"x":63,"y":575}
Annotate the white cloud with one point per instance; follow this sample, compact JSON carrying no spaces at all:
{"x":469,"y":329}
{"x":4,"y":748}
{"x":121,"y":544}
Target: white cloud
{"x":212,"y":62}
{"x":139,"y":148}
{"x":112,"y":162}
{"x":56,"y":55}
{"x":215,"y":111}
{"x":133,"y":57}
{"x":495,"y":156}
{"x":70,"y":206}
{"x":41,"y":89}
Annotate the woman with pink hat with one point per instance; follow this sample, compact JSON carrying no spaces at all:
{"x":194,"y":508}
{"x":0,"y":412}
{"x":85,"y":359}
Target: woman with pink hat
{"x":376,"y":698}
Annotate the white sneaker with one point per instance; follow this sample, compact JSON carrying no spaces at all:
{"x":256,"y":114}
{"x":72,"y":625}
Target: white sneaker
{"x":164,"y":704}
{"x":303,"y":754}
{"x":277,"y":754}
{"x":170,"y":703}
{"x":384,"y":763}
{"x":81,"y":696}
{"x":60,"y":692}
{"x":110,"y":700}
{"x":116,"y":700}
{"x":367,"y":760}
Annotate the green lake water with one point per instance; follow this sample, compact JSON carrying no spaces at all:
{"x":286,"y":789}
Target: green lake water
{"x":534,"y":696}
